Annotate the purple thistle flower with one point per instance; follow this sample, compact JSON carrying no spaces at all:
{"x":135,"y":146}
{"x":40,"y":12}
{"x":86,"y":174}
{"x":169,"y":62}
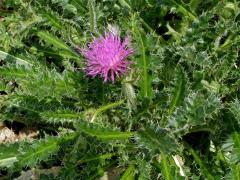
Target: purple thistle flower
{"x":106,"y":56}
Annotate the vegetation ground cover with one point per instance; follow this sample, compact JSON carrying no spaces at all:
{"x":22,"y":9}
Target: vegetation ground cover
{"x":174,"y":114}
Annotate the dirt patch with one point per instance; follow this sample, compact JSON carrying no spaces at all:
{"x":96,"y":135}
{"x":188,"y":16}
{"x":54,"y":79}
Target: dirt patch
{"x":8,"y":135}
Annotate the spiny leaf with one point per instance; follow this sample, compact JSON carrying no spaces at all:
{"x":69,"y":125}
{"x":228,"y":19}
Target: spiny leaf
{"x":213,"y":86}
{"x":156,"y":139}
{"x":130,"y":95}
{"x":125,"y":4}
{"x":50,"y":84}
{"x":12,"y":59}
{"x":106,"y":107}
{"x":99,"y":157}
{"x":8,"y":162}
{"x":14,"y":72}
{"x":144,"y":170}
{"x":52,"y":19}
{"x":167,"y":167}
{"x":179,"y":89}
{"x":231,"y":148}
{"x":146,"y":82}
{"x":8,"y":154}
{"x":102,"y":133}
{"x":51,"y":39}
{"x":235,"y":109}
{"x":181,"y":8}
{"x":202,"y":165}
{"x":31,"y":102}
{"x":40,"y":150}
{"x":194,"y":4}
{"x":196,"y":110}
{"x":79,"y":5}
{"x":234,"y":173}
{"x":60,"y":116}
{"x":92,"y":14}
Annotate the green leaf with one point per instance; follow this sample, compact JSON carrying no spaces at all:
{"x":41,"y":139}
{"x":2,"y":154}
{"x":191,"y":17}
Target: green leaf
{"x":60,"y":116}
{"x":38,"y":151}
{"x":236,"y":147}
{"x":235,"y":172}
{"x":50,"y":84}
{"x":130,"y":94}
{"x":145,"y":169}
{"x":53,"y":20}
{"x":95,"y":158}
{"x":41,"y":150}
{"x":166,"y":169}
{"x":92,"y":14}
{"x":12,"y":59}
{"x":79,"y":5}
{"x":51,"y":39}
{"x":179,"y":89}
{"x":125,"y":4}
{"x":8,"y":162}
{"x":181,"y":8}
{"x":32,"y":104}
{"x":197,"y":110}
{"x":231,"y":148}
{"x":102,"y":133}
{"x":234,"y":107}
{"x":8,"y":154}
{"x":213,"y":86}
{"x":202,"y":165}
{"x":146,"y":80}
{"x":129,"y":173}
{"x":106,"y":107}
{"x":156,"y":139}
{"x":194,"y":4}
{"x":14,"y":72}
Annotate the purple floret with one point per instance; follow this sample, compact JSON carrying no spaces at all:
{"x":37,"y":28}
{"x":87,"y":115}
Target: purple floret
{"x":106,"y":56}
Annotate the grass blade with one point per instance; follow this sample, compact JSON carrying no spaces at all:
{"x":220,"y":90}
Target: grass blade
{"x":146,"y":84}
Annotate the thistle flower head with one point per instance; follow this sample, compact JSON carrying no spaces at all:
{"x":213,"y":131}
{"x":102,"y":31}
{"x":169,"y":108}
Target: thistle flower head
{"x":106,"y":56}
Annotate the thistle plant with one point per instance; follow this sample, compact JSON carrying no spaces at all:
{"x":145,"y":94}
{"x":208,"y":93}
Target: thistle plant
{"x":170,"y":111}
